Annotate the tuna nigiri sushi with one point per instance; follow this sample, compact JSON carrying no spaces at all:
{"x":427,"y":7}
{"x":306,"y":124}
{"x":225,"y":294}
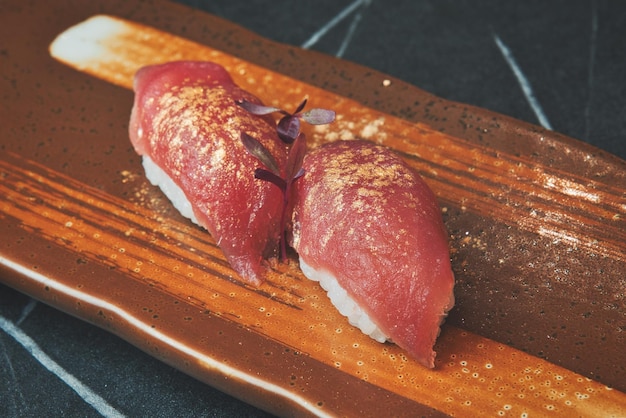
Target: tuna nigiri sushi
{"x":368,"y":228}
{"x":187,"y":127}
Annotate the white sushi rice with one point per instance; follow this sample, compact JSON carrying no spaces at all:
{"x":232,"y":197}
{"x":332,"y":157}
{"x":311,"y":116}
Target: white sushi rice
{"x":343,"y":302}
{"x":175,"y":194}
{"x":338,"y":295}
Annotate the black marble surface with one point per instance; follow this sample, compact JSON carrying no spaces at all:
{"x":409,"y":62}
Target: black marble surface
{"x":567,"y":54}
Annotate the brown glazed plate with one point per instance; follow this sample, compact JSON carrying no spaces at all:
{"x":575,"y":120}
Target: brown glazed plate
{"x":536,"y":224}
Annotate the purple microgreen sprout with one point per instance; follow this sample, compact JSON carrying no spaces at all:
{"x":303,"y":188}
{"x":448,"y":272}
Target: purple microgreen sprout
{"x":288,"y":130}
{"x":318,"y":116}
{"x":254,"y":147}
{"x":257,"y":109}
{"x":293,"y":171}
{"x":288,"y":126}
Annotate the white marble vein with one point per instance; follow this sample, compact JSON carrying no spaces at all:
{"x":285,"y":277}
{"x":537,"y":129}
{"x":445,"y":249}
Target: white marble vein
{"x":333,"y":22}
{"x":523,"y":82}
{"x":353,"y":25}
{"x":593,"y":39}
{"x":28,"y":308}
{"x":88,"y":395}
{"x":17,"y":402}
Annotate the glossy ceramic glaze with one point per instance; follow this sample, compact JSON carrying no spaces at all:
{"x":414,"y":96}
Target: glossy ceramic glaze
{"x":536,"y":223}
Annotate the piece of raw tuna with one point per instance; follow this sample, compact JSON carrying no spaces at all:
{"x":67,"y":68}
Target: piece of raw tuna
{"x":186,"y":125}
{"x":370,"y":230}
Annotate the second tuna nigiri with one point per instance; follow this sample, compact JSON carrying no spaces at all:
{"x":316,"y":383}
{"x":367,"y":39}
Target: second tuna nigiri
{"x":370,"y":230}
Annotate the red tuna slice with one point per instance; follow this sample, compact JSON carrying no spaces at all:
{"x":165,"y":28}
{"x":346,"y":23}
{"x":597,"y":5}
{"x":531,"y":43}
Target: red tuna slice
{"x":186,"y":120}
{"x":364,"y":217}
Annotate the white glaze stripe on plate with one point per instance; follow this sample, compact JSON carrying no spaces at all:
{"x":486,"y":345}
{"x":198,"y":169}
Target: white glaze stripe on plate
{"x":145,"y":328}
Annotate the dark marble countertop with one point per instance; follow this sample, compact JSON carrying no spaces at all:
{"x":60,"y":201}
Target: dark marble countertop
{"x":559,"y":64}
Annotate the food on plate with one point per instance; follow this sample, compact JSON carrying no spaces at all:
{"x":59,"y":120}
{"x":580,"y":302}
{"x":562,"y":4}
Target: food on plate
{"x":187,"y":127}
{"x":364,"y":224}
{"x":369,"y":229}
{"x":288,"y":129}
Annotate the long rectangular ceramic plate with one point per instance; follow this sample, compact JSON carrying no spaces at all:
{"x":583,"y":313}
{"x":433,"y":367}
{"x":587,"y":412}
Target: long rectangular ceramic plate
{"x":120,"y":257}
